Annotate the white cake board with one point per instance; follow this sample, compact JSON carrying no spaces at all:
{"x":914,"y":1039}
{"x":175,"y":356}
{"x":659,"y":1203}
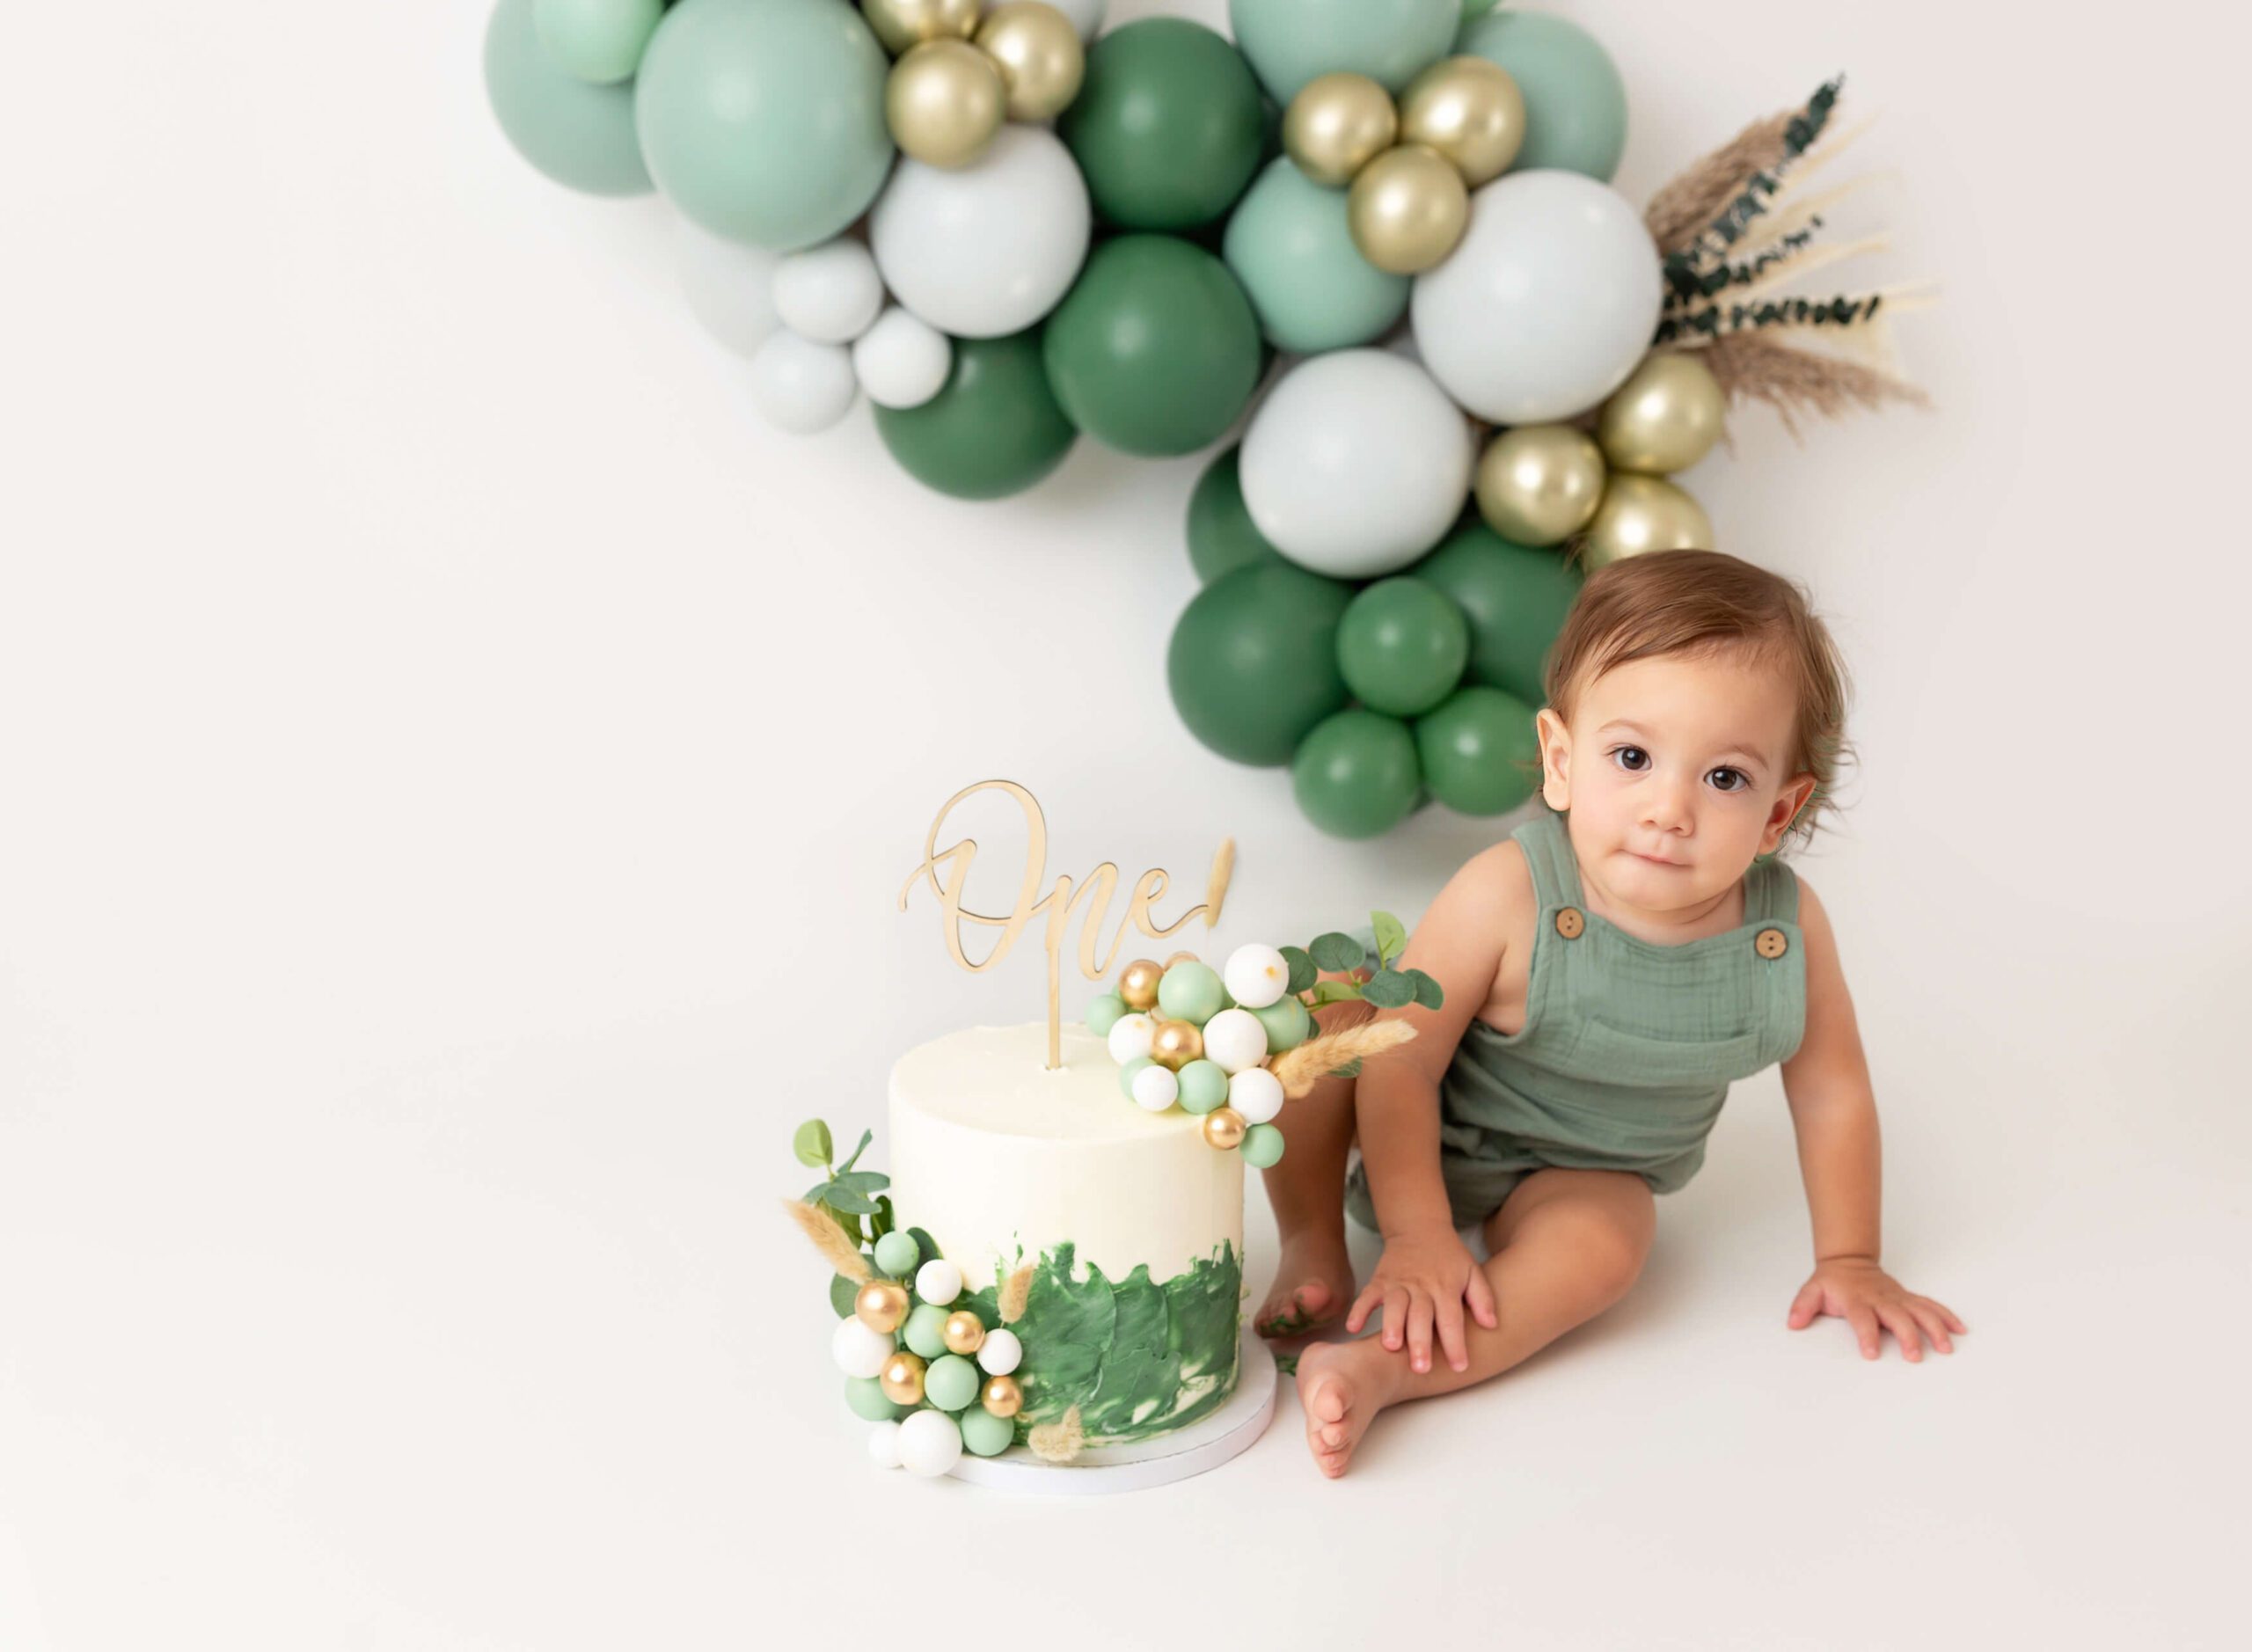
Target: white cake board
{"x":1138,"y":1464}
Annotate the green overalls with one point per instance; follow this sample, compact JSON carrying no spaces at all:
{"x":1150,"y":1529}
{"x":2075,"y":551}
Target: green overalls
{"x":1629,"y":1048}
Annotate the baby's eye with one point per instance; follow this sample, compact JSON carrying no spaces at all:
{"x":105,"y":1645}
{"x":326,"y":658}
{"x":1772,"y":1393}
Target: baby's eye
{"x":1631,"y":758}
{"x":1738,"y":779}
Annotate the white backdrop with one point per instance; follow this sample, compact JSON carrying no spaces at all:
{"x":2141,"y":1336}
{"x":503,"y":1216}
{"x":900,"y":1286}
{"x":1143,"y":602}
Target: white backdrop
{"x":458,"y":764}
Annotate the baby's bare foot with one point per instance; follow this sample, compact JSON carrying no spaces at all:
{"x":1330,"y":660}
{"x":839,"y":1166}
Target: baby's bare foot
{"x":1342,"y":1386}
{"x":1313,"y":1283}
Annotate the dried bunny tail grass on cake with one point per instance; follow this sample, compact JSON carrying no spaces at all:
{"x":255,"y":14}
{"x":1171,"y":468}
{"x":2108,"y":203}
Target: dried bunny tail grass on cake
{"x":838,"y":1252}
{"x":1059,"y":1442}
{"x":1298,"y":1070}
{"x":1015,"y":1294}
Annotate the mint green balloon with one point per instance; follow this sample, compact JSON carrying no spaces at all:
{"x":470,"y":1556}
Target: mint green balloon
{"x":581,"y":135}
{"x":1262,"y":1146}
{"x":951,"y":1383}
{"x":598,"y":40}
{"x":1290,"y":244}
{"x":1291,"y":41}
{"x":1574,"y":99}
{"x":1128,"y":1073}
{"x":1287,"y":1023}
{"x":1105,"y":1013}
{"x":1221,"y":536}
{"x":1515,"y":597}
{"x":1356,"y":775}
{"x":1203,"y":1086}
{"x":866,"y":1397}
{"x":1190,"y":991}
{"x":763,"y":120}
{"x":985,"y":1434}
{"x":1478,"y":751}
{"x":925,"y":1330}
{"x":898,"y":1254}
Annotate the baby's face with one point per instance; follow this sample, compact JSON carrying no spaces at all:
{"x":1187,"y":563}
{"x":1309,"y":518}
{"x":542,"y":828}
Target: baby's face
{"x":1676,"y":772}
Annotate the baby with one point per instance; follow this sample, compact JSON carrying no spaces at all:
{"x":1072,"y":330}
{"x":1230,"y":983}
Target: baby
{"x":1610,"y":969}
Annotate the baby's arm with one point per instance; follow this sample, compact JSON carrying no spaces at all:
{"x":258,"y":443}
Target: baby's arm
{"x":1834,"y":1107}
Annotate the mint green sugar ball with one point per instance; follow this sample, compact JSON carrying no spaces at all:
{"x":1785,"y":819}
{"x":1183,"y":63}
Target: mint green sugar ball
{"x":1287,"y":1022}
{"x":925,"y":1330}
{"x":1203,"y":1086}
{"x":1126,"y":1074}
{"x":1105,"y":1013}
{"x":1262,"y":1145}
{"x":898,"y":1254}
{"x":951,"y":1383}
{"x":865,"y":1396}
{"x":985,"y":1434}
{"x":1190,"y":991}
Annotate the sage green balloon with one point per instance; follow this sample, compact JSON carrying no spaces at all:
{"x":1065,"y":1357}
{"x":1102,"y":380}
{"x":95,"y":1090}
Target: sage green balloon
{"x":763,"y":120}
{"x":1291,"y":41}
{"x":1356,"y":775}
{"x":985,"y":1434}
{"x":1471,"y":749}
{"x":1167,"y":127}
{"x":1155,"y":349}
{"x":1473,"y":10}
{"x":1221,"y":536}
{"x":1402,"y":646}
{"x":1575,"y":98}
{"x":1252,"y":664}
{"x":581,"y":135}
{"x":598,"y":40}
{"x":995,"y":429}
{"x":1516,"y":598}
{"x":1291,"y":246}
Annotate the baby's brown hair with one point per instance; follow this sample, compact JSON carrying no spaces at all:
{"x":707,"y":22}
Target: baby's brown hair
{"x":1702,"y":602}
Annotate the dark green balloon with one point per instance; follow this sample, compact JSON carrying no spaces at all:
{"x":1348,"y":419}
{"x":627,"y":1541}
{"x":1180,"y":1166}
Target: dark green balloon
{"x":1516,"y":597}
{"x":1471,"y":749}
{"x":1167,"y":126}
{"x":1252,"y":664}
{"x":1402,"y":646}
{"x":1355,"y":774}
{"x":1155,"y":349}
{"x":994,"y":430}
{"x":1221,"y":536}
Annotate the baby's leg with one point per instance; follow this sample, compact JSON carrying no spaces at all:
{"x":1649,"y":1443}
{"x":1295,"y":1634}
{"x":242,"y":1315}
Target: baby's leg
{"x":1566,"y":1244}
{"x":1313,"y":1281}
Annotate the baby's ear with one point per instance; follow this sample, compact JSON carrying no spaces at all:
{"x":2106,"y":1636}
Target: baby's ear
{"x":1555,"y":760}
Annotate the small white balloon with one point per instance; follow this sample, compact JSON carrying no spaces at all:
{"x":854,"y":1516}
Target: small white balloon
{"x":930,"y":1443}
{"x":1357,"y":463}
{"x":1235,"y":1040}
{"x":1129,"y":1037}
{"x":999,"y":1353}
{"x":1156,"y":1088}
{"x":883,"y":1444}
{"x":1256,"y":976}
{"x":730,"y":286}
{"x":988,"y":249}
{"x":1257,"y":1094}
{"x":800,"y":386}
{"x":831,"y":293}
{"x":859,"y":1350}
{"x":902,"y":361}
{"x":938,"y":1281}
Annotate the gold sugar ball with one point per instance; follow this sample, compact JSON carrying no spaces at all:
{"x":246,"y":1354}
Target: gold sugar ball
{"x":1175,"y":1044}
{"x":903,"y":1378}
{"x":1138,"y":986}
{"x":1003,"y":1396}
{"x":1224,"y":1128}
{"x":965,"y":1333}
{"x":881,"y":1306}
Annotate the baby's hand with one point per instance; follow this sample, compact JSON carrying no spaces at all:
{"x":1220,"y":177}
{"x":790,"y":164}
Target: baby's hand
{"x":1422,"y":1278}
{"x":1863,"y":1295}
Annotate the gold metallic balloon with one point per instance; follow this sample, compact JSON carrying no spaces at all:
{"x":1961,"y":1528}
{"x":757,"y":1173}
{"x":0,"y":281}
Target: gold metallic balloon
{"x":1003,"y":1396}
{"x":1138,"y":986}
{"x":1224,"y":1128}
{"x":903,"y":1378}
{"x":1665,"y":417}
{"x":965,"y":1332}
{"x":1040,"y":55}
{"x":1175,"y":1044}
{"x":900,"y":23}
{"x":945,"y":102}
{"x":1644,"y":513}
{"x":1539,"y":483}
{"x":882,"y":1304}
{"x":1470,"y":111}
{"x":1338,"y":124}
{"x":1408,"y":209}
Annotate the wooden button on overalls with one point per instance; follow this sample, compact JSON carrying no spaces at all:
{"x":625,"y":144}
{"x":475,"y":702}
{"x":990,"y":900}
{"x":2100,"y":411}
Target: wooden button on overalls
{"x":1771,"y":943}
{"x":1569,"y":922}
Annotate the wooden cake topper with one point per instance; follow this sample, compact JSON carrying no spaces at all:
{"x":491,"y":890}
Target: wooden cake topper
{"x":947,"y":871}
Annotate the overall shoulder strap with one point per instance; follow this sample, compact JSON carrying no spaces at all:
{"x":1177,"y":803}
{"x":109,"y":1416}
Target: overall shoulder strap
{"x":1548,"y":852}
{"x":1770,"y":892}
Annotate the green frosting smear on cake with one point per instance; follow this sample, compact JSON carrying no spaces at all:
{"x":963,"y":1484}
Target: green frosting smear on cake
{"x":1137,"y":1357}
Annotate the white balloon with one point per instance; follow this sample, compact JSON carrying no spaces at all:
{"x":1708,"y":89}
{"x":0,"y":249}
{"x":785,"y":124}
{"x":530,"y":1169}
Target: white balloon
{"x":1235,"y":1039}
{"x":858,"y":1350}
{"x":1547,"y":306}
{"x":1257,"y":1094}
{"x":985,"y":250}
{"x":1086,"y":14}
{"x":831,"y":293}
{"x":730,"y":286}
{"x":930,"y":1443}
{"x":938,"y":1281}
{"x":800,"y":386}
{"x":1256,"y":976}
{"x":1156,"y":1088}
{"x":883,"y":1444}
{"x":1129,"y":1037}
{"x":1357,"y":463}
{"x":1000,"y":1351}
{"x":902,"y":362}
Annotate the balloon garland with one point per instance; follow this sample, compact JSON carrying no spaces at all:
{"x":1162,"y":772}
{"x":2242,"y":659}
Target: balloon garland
{"x":1481,"y":366}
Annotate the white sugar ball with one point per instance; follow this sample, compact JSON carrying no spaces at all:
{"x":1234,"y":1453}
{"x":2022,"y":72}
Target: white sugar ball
{"x":858,"y":1350}
{"x":1257,"y":1094}
{"x":800,"y":386}
{"x":883,"y":1444}
{"x":930,"y":1443}
{"x":938,"y":1281}
{"x":902,"y":361}
{"x":1235,"y":1039}
{"x":1256,"y":976}
{"x":831,"y":293}
{"x":1156,"y":1088}
{"x":1129,"y":1037}
{"x":999,"y":1352}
